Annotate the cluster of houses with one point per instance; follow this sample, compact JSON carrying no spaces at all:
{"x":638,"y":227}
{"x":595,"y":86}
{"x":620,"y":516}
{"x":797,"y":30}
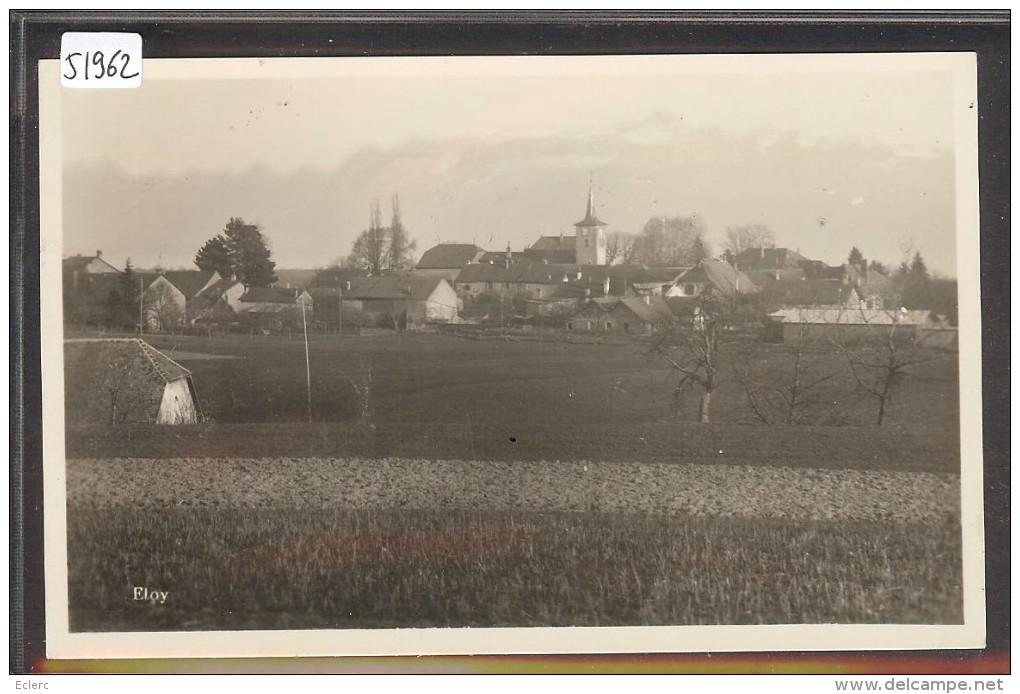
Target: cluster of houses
{"x":558,"y":281}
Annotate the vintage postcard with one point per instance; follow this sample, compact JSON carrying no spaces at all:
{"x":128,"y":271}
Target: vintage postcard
{"x":483,"y":355}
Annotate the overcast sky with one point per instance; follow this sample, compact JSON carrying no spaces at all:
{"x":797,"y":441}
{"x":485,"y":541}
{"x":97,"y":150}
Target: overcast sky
{"x":499,"y":151}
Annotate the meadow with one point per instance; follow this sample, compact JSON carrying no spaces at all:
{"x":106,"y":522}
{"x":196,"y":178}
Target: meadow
{"x":511,"y":483}
{"x":447,"y":397}
{"x":300,"y":568}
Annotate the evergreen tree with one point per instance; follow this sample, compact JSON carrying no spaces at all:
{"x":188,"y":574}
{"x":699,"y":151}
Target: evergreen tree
{"x":916,"y":283}
{"x":855,"y":257}
{"x":214,"y":256}
{"x":250,"y":257}
{"x":124,"y":309}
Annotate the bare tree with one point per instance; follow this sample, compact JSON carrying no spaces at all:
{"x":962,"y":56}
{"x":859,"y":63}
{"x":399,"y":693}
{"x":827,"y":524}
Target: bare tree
{"x":401,"y":247}
{"x":743,"y":236}
{"x":163,"y":309}
{"x":787,"y":385}
{"x":882,"y":359}
{"x":125,"y":399}
{"x":694,"y":352}
{"x":620,"y":248}
{"x":371,"y":249}
{"x":672,"y":241}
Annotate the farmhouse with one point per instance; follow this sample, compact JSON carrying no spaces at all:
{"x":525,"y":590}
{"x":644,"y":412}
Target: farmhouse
{"x":851,"y":325}
{"x":401,"y":300}
{"x":126,"y":381}
{"x":166,"y":296}
{"x":712,"y":274}
{"x":632,"y":315}
{"x":77,"y":266}
{"x":215,"y":303}
{"x":274,"y":308}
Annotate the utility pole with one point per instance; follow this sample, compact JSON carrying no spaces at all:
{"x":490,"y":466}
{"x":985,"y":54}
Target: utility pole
{"x":308,"y":366}
{"x":339,"y":312}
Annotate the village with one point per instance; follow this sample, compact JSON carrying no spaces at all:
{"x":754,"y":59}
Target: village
{"x":559,"y":287}
{"x":559,"y":282}
{"x":581,"y":367}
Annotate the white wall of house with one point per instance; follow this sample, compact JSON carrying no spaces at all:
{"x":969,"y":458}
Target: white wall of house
{"x":164,"y":306}
{"x":232,"y":294}
{"x":441,"y":304}
{"x":682,"y":288}
{"x":177,"y":405}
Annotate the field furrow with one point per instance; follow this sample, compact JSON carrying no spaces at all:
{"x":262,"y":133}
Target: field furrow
{"x":401,"y":483}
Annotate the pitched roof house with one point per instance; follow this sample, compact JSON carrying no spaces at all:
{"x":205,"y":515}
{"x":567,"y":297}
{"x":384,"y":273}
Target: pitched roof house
{"x":712,"y":273}
{"x":447,"y":259}
{"x":410,"y":300}
{"x":633,"y":315}
{"x":92,"y":264}
{"x":120,"y":381}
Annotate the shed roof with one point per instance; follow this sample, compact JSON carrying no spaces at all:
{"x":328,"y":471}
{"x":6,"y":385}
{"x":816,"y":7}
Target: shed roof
{"x":135,"y":351}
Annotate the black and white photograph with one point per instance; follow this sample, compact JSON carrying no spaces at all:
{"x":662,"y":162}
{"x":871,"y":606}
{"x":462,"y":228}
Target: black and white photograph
{"x":518,"y":354}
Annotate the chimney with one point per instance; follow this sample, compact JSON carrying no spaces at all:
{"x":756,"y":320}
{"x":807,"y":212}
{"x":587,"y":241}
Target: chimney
{"x":99,"y":254}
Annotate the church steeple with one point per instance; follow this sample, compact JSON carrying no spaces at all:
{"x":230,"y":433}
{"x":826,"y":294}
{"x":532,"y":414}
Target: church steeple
{"x":590,"y":217}
{"x":589,"y":239}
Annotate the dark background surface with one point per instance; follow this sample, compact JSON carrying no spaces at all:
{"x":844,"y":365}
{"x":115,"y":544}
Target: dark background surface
{"x":36,"y":36}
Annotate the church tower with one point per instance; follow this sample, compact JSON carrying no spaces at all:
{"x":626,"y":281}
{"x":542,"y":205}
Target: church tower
{"x":590,"y":239}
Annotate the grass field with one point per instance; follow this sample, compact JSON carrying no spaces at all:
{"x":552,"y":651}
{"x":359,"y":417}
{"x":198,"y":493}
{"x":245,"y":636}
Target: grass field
{"x":448,"y":380}
{"x":445,"y":397}
{"x":595,"y":503}
{"x":306,"y":569}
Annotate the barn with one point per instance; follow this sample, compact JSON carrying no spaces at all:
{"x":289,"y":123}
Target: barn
{"x":125,"y":381}
{"x":400,"y":300}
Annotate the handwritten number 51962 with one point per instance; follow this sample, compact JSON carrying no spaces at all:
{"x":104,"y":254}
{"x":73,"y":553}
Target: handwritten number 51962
{"x":101,"y":67}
